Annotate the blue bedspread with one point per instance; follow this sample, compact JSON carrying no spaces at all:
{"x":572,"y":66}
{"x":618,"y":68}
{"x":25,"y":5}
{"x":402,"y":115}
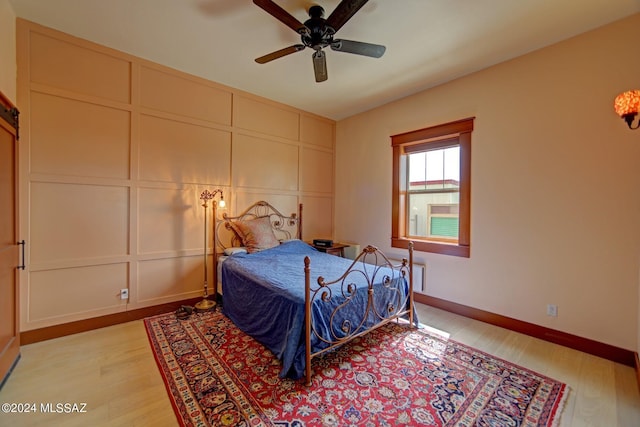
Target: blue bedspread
{"x":264,"y":295}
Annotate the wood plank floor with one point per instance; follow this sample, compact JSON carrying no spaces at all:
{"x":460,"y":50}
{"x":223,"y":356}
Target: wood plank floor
{"x":113,"y":371}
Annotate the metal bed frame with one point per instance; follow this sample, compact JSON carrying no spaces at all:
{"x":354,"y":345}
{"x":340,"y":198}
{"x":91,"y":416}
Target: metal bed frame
{"x":400,"y":306}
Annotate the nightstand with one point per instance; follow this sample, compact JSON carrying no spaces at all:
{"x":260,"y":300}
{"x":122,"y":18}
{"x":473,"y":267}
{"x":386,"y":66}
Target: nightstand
{"x":336,"y":249}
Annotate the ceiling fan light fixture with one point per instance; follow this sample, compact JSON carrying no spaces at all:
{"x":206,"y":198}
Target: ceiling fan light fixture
{"x":320,"y":66}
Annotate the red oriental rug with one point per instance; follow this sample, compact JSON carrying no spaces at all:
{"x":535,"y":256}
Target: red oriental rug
{"x":218,"y":376}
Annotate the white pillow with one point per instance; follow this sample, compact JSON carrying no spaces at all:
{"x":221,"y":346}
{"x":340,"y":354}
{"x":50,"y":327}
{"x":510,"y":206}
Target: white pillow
{"x":235,"y":250}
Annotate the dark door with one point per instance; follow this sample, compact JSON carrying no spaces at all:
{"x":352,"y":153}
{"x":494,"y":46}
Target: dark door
{"x":9,"y":248}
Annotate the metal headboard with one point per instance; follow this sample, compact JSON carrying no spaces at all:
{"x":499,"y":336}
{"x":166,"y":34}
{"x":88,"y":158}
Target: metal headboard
{"x":284,"y":227}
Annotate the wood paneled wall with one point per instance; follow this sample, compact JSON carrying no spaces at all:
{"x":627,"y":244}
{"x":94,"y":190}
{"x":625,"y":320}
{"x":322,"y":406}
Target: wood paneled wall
{"x":115,"y":152}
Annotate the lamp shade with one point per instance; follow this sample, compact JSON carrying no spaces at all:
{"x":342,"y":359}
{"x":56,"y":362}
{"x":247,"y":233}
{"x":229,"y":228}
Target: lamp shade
{"x":627,"y":103}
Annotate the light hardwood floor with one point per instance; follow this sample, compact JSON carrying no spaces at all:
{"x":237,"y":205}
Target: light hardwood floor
{"x":113,"y":371}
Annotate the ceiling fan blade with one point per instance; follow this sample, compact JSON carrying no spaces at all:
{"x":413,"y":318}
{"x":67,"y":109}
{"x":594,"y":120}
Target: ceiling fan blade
{"x":280,"y":14}
{"x":343,"y":12}
{"x":359,"y":48}
{"x":320,"y":66}
{"x":280,"y":53}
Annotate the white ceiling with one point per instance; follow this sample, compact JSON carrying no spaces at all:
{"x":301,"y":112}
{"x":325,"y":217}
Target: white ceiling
{"x":428,"y":41}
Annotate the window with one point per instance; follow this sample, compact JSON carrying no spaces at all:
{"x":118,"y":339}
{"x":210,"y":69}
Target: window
{"x":432,"y":188}
{"x":433,"y":192}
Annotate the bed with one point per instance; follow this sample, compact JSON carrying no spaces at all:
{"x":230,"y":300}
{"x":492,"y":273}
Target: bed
{"x":299,"y":302}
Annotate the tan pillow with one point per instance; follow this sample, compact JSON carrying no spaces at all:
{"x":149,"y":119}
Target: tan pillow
{"x":256,"y":234}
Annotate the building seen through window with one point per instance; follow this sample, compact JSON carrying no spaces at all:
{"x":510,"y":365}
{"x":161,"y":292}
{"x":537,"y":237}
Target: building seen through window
{"x":434,"y":193}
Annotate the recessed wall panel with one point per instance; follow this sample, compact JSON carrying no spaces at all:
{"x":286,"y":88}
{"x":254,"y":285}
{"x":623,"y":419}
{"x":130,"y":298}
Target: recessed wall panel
{"x":316,"y":131}
{"x":69,"y":291}
{"x":71,"y":222}
{"x":316,"y":169}
{"x":264,"y":164}
{"x":70,"y":137}
{"x":174,"y":151}
{"x":180,"y":95}
{"x":170,"y":220}
{"x":61,"y":64}
{"x":171,"y":277}
{"x":286,"y":205}
{"x":265,"y":118}
{"x":317,"y":218}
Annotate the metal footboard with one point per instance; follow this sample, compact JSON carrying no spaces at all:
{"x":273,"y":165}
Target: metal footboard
{"x":374,"y":267}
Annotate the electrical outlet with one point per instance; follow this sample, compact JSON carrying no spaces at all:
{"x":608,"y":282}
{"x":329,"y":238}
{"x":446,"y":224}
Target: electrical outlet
{"x":124,"y":294}
{"x":552,"y":310}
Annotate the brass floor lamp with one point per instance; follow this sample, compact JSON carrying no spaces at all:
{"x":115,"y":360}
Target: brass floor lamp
{"x":207,"y":304}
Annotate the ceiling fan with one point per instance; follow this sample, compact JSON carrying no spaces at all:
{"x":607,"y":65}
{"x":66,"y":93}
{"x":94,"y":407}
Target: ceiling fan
{"x":317,"y":33}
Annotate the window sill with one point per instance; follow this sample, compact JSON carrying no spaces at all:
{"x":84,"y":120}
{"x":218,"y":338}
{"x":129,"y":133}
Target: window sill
{"x":433,"y":247}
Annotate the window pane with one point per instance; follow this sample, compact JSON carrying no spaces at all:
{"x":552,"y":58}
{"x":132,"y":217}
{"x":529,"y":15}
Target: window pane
{"x":434,"y":182}
{"x":451,"y":162}
{"x":417,"y":171}
{"x":434,"y":215}
{"x":434,"y":169}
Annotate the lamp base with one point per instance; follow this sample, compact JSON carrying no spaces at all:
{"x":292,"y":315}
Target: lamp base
{"x":205,"y":305}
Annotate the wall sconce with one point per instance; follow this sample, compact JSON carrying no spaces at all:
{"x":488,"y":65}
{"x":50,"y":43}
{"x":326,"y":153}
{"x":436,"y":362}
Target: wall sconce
{"x":627,"y":106}
{"x":207,"y":304}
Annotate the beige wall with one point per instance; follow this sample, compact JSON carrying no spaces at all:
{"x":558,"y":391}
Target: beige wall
{"x":555,"y":185}
{"x":7,"y":50}
{"x":115,"y":153}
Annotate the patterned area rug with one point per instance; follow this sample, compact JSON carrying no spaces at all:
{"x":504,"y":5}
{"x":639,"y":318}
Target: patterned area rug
{"x":218,"y":376}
